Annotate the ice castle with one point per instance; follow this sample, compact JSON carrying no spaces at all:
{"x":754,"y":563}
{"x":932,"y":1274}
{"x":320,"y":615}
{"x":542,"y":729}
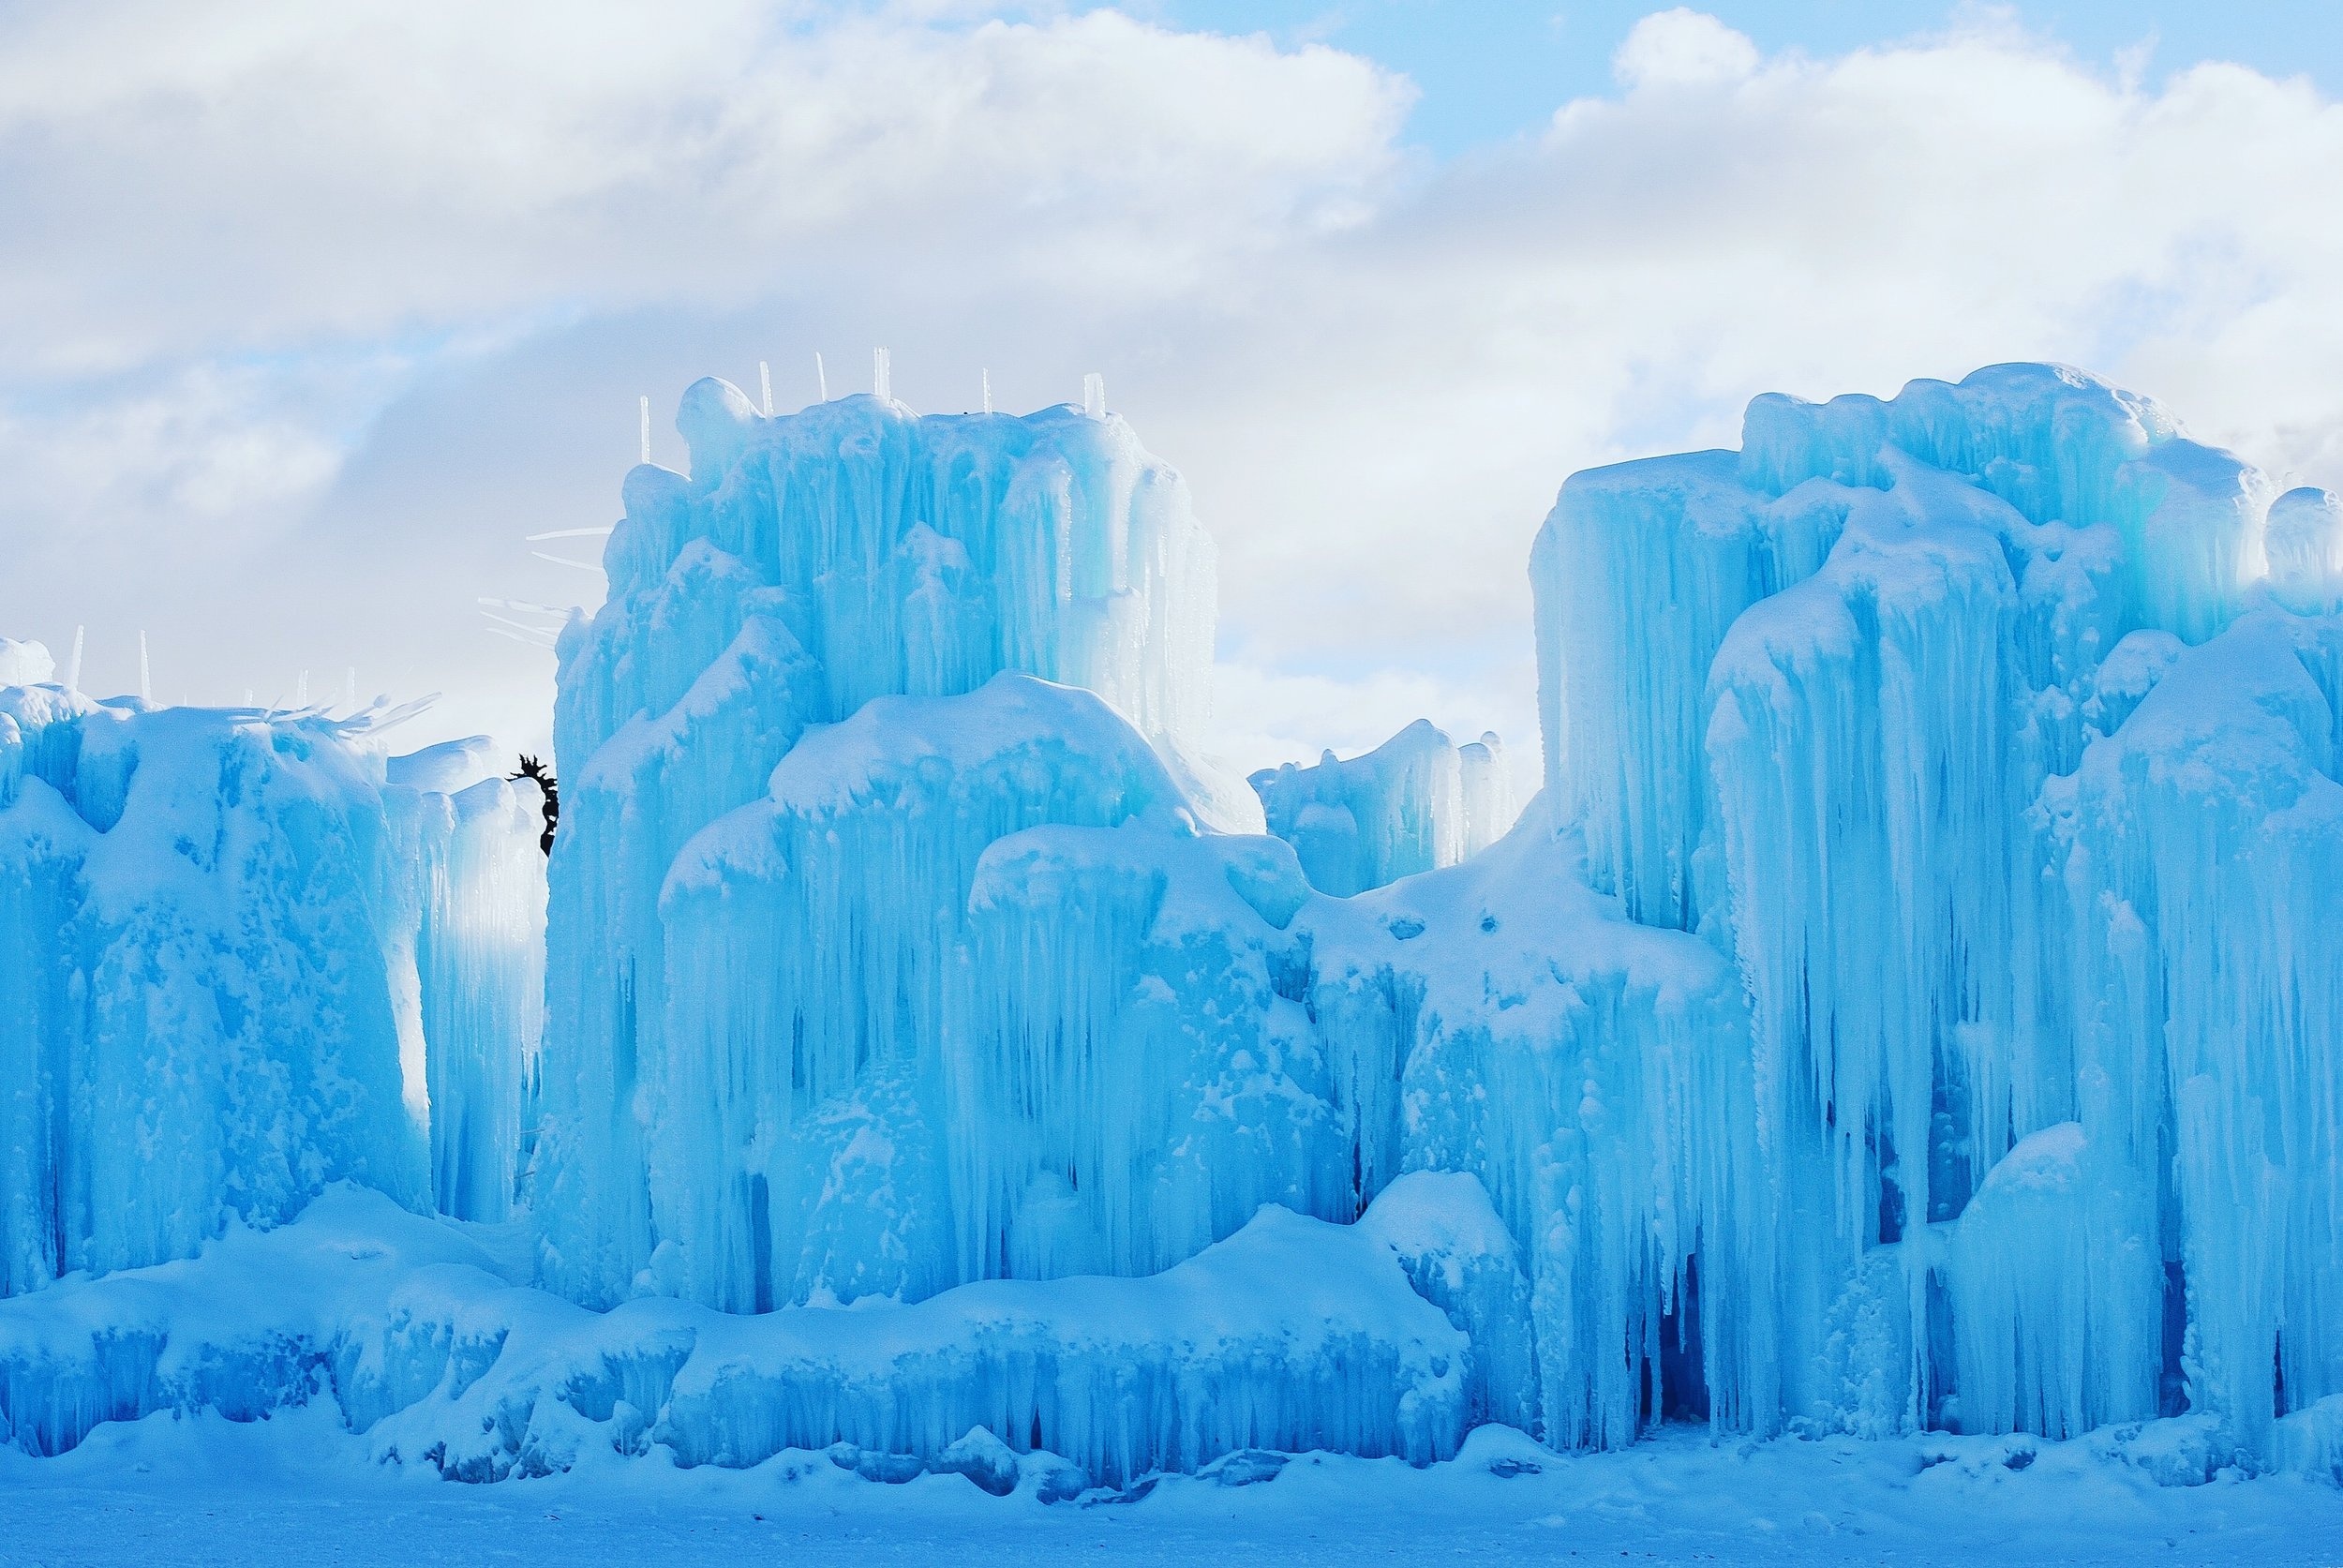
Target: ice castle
{"x":1914,"y":1000}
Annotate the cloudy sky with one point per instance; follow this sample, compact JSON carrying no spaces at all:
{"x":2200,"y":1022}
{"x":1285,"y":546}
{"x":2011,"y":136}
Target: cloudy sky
{"x":316,"y":312}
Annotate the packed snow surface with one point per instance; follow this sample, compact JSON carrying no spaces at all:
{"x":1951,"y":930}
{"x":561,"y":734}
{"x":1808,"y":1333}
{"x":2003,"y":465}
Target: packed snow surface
{"x":296,"y":1489}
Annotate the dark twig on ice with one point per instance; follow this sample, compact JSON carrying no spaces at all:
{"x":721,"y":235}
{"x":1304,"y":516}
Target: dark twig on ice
{"x":533,"y":770}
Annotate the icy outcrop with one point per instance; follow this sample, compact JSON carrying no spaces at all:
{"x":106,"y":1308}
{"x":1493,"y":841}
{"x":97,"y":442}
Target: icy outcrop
{"x":809,"y":565}
{"x":795,"y":1107}
{"x":231,"y":958}
{"x":1128,"y":1082}
{"x":1925,"y":713}
{"x":1500,"y":1019}
{"x":1414,"y":803}
{"x":1643,"y":568}
{"x":2195,"y":858}
{"x":2305,"y":545}
{"x":1639,"y":572}
{"x":1292,"y":1334}
{"x":469,"y":924}
{"x":1460,"y":1257}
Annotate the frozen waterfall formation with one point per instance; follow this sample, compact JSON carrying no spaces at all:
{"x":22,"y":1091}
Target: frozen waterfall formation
{"x":1993,"y":730}
{"x":243,"y":956}
{"x":1914,"y":1000}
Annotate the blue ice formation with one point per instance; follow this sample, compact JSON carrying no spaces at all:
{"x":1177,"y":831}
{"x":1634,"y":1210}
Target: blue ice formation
{"x":240,"y":960}
{"x":1292,"y":1334}
{"x":1414,"y":803}
{"x":1914,"y":1000}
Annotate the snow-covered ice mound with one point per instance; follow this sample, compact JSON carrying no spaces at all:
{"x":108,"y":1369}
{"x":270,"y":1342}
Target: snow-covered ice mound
{"x":1289,"y":1334}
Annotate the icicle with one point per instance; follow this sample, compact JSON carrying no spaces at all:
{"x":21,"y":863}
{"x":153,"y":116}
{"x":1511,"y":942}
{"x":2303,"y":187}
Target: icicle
{"x":646,"y":410}
{"x":765,"y":384}
{"x":146,"y":673}
{"x":987,"y":378}
{"x":1095,"y":396}
{"x":881,"y":380}
{"x":73,"y":665}
{"x":821,"y":378}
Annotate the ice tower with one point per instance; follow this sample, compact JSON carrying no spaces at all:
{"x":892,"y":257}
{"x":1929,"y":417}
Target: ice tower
{"x":1925,"y":712}
{"x":809,"y":565}
{"x":238,"y":962}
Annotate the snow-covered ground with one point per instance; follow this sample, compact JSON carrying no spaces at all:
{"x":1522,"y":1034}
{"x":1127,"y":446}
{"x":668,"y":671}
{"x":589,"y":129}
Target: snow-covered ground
{"x":296,"y":1489}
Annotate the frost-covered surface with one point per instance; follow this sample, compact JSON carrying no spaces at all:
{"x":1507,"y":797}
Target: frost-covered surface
{"x":236,"y":964}
{"x":1291,"y":1333}
{"x":1414,"y":803}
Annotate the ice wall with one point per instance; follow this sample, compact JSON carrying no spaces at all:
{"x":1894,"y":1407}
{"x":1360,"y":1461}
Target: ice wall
{"x":468,"y":963}
{"x":797,"y":1107}
{"x":809,"y":565}
{"x":2194,"y":859}
{"x":1889,"y":706}
{"x":1499,"y":1018}
{"x":1914,"y":1000}
{"x":206,"y":948}
{"x":1641,"y":570}
{"x":1414,"y":803}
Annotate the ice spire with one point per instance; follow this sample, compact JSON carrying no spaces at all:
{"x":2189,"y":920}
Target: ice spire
{"x":301,"y":690}
{"x":821,"y":378}
{"x":146,"y":673}
{"x":645,"y":408}
{"x":986,"y":376}
{"x":881,"y":378}
{"x":73,"y":665}
{"x":765,"y":383}
{"x":1095,"y":396}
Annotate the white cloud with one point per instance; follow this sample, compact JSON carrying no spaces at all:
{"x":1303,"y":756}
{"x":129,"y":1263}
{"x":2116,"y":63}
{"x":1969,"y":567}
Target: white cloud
{"x":1682,"y":48}
{"x":267,"y":175}
{"x":1375,"y":373}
